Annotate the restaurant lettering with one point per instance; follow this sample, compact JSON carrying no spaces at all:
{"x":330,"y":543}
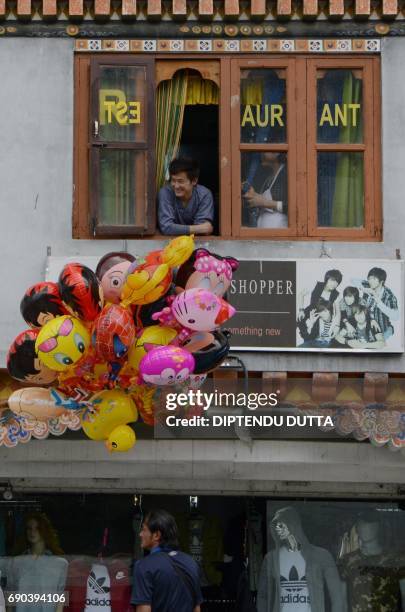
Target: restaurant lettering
{"x":115,"y":108}
{"x":264,"y":115}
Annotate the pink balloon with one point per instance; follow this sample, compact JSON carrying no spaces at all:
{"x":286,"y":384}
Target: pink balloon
{"x":201,"y":310}
{"x":166,"y":365}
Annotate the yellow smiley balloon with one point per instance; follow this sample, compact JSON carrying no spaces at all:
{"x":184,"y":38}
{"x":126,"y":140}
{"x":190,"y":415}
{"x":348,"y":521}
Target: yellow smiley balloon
{"x":62,"y":342}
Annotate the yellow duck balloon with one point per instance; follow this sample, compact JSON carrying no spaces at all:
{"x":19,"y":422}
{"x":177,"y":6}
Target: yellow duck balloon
{"x":121,"y":439}
{"x":108,"y":413}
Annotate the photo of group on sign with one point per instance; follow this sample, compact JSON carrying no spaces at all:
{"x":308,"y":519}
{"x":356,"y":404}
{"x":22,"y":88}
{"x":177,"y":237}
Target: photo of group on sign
{"x":354,"y":305}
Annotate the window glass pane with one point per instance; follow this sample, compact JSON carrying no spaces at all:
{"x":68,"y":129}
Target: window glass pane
{"x":122,"y":103}
{"x":263,"y":106}
{"x":264,"y":189}
{"x":340,"y":190}
{"x":340,"y":106}
{"x":122,"y":187}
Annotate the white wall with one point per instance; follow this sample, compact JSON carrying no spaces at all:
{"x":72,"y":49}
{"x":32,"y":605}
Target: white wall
{"x":36,"y":148}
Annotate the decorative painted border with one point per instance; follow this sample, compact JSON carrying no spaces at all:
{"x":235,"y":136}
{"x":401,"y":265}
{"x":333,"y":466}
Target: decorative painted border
{"x":257,"y":45}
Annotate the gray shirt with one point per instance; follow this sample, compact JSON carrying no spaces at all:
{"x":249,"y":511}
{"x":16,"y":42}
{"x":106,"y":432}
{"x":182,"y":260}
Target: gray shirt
{"x":43,"y":574}
{"x":175,"y":219}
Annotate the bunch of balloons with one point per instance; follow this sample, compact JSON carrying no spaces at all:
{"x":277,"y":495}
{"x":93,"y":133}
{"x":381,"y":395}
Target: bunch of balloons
{"x":108,"y":340}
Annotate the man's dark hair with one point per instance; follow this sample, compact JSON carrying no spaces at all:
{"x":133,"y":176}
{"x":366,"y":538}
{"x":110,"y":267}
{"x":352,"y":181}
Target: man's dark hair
{"x":378,"y":273}
{"x":369,"y":516}
{"x":335,"y":274}
{"x":353,"y":292}
{"x":187,"y":165}
{"x":322,"y":305}
{"x":162,"y":521}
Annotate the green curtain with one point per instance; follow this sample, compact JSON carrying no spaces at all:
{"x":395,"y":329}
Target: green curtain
{"x":170,"y":101}
{"x":348,"y":199}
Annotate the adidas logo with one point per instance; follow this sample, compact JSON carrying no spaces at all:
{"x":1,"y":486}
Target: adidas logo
{"x":293,"y":583}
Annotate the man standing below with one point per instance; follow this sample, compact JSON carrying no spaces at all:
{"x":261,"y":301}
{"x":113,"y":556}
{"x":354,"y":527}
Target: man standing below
{"x":380,"y":301}
{"x":184,"y":207}
{"x":166,"y":580}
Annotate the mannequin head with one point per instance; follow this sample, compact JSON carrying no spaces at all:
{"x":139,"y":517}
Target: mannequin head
{"x":281,"y":530}
{"x":39,"y":535}
{"x":368,"y":529}
{"x":286,"y":529}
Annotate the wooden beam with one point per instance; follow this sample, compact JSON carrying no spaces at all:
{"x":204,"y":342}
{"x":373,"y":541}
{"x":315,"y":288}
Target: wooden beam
{"x":310,"y":8}
{"x":375,"y":387}
{"x":284,"y":8}
{"x":324,"y":386}
{"x":362,"y":8}
{"x":76,"y":8}
{"x":102,"y":8}
{"x":49,"y":8}
{"x":129,"y":8}
{"x":24,"y":8}
{"x":258,"y":8}
{"x":232,"y":8}
{"x":390,"y":8}
{"x":336,"y":8}
{"x":206,"y":8}
{"x":179,"y":8}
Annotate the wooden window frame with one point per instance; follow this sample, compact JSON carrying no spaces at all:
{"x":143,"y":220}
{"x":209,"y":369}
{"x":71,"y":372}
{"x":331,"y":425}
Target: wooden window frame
{"x":289,"y":147}
{"x":371,"y":112}
{"x":144,"y":217}
{"x":229,"y":148}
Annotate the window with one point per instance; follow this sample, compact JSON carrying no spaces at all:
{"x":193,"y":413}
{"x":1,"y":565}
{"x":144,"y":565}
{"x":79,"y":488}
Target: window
{"x":298,"y":144}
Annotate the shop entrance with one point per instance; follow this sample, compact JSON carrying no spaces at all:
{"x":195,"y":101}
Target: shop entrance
{"x":92,"y":543}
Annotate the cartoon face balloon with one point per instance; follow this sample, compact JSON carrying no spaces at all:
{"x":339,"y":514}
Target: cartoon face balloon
{"x":200,"y":310}
{"x":80,"y":290}
{"x":149,"y":338}
{"x":206,"y":270}
{"x":62,"y":342}
{"x":42,"y":303}
{"x":24,"y":364}
{"x":166,"y":365}
{"x":112,"y":270}
{"x":114,"y":332}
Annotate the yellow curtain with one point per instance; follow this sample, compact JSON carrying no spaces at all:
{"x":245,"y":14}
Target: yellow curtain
{"x":252,"y":91}
{"x":201,"y":91}
{"x":171,"y":98}
{"x":170,"y":102}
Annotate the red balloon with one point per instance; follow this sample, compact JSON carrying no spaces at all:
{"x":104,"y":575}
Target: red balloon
{"x":41,"y":303}
{"x":80,"y":290}
{"x":113,"y":333}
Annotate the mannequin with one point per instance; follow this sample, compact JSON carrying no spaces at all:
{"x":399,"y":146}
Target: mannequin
{"x":37,"y":569}
{"x":296,"y":576}
{"x":374,"y":578}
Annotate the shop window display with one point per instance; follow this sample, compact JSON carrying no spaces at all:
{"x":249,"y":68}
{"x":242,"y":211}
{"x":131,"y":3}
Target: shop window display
{"x":254,"y":553}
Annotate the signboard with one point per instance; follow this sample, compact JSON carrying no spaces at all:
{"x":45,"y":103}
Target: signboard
{"x":320,"y":304}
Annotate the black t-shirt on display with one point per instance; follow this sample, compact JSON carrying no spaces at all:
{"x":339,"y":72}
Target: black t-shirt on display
{"x":159,"y":585}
